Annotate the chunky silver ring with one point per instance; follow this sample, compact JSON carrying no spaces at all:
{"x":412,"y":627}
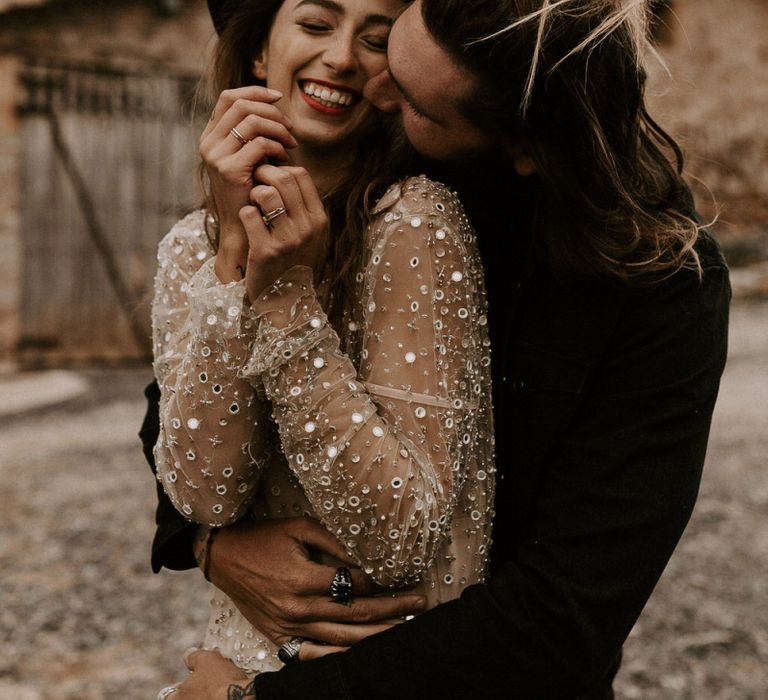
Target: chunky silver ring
{"x":238,"y":136}
{"x":289,"y":652}
{"x":270,"y":215}
{"x":341,"y":586}
{"x":165,"y":692}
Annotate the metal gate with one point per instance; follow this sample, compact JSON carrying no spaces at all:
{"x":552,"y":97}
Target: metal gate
{"x":109,"y":162}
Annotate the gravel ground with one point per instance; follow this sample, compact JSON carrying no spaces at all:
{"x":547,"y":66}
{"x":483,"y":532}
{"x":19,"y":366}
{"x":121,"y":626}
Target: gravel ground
{"x":82,"y":618}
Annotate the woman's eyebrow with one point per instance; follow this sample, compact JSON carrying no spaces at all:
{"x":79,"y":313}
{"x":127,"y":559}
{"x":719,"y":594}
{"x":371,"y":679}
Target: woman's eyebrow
{"x":337,"y":7}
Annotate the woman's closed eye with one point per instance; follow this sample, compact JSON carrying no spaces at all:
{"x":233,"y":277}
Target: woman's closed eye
{"x":377,"y":42}
{"x":314,"y":26}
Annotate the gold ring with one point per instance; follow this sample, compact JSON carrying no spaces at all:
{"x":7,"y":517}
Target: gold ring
{"x":238,"y":136}
{"x":270,"y":215}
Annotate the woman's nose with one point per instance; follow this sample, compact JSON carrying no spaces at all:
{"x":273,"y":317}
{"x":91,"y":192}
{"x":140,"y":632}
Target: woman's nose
{"x":382,"y":93}
{"x":340,"y":57}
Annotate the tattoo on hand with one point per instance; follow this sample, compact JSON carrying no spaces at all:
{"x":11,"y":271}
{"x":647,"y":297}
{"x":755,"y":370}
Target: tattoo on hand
{"x":237,"y":692}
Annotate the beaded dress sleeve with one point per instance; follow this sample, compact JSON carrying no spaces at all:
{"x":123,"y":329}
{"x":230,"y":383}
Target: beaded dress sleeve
{"x":390,"y":451}
{"x":213,"y":426}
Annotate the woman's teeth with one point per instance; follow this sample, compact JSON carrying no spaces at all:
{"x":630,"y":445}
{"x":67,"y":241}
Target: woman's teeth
{"x":328,"y":97}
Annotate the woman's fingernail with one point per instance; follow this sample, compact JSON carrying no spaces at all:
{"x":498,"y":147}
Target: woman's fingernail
{"x":274,"y":93}
{"x":421,"y":603}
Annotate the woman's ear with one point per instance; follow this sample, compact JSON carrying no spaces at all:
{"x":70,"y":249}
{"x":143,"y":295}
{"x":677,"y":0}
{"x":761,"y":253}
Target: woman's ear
{"x":259,"y":67}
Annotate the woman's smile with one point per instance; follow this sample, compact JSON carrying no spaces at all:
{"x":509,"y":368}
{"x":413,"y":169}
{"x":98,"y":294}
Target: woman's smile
{"x":320,"y":54}
{"x":328,"y":98}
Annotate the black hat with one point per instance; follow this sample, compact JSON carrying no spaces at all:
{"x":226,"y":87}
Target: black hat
{"x":219,"y":12}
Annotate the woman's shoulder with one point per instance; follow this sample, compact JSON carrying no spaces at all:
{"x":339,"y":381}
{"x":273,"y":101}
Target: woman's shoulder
{"x":186,"y":246}
{"x":420,"y":196}
{"x":187,"y":235}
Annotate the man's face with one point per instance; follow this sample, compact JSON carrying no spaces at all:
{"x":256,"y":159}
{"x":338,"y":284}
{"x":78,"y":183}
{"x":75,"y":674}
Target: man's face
{"x":426,"y":86}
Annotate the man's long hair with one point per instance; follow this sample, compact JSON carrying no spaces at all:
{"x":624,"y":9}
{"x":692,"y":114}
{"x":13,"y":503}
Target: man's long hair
{"x":566,"y":78}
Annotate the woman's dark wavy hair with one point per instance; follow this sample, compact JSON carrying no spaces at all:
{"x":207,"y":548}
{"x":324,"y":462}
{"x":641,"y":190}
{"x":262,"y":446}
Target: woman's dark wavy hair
{"x":566,"y":77}
{"x":243,"y":29}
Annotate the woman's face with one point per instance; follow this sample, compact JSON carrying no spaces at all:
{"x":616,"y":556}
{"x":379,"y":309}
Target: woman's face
{"x":320,"y":54}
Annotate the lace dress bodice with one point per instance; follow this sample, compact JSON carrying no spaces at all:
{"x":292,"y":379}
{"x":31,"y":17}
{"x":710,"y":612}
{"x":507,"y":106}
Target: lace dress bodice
{"x":386,"y":437}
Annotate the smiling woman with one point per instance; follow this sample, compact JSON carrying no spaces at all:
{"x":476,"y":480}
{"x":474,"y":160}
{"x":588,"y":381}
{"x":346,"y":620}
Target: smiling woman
{"x":317,"y":356}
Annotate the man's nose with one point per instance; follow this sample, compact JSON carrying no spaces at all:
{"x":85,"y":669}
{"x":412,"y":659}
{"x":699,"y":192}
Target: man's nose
{"x":382,"y":93}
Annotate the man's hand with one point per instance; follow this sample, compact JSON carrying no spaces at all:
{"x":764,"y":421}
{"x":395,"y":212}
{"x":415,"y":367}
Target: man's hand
{"x":265,"y":568}
{"x":212,"y":677}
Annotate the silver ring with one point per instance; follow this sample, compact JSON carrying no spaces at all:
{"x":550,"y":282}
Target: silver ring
{"x":267,"y":218}
{"x":238,"y":136}
{"x":165,"y":692}
{"x":289,"y":652}
{"x":341,"y":586}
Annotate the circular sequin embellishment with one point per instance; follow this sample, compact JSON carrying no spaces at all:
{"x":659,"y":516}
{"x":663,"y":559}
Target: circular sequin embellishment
{"x":211,"y":320}
{"x":397,"y":482}
{"x":456,"y":276}
{"x":415,"y":221}
{"x":332,"y":452}
{"x":378,"y":431}
{"x":414,"y":262}
{"x":318,"y":362}
{"x":315,"y":322}
{"x":357,"y":418}
{"x":227,"y":472}
{"x":205,"y":351}
{"x":193,"y":423}
{"x":309,"y":427}
{"x":440,"y":234}
{"x":420,"y":412}
{"x":295,"y":390}
{"x":410,"y":357}
{"x":233,"y":312}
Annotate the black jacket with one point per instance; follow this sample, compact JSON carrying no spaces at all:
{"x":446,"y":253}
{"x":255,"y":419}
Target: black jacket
{"x":603,"y":398}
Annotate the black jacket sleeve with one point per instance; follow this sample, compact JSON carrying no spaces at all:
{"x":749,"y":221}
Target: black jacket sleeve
{"x":607,"y":508}
{"x":172,"y":545}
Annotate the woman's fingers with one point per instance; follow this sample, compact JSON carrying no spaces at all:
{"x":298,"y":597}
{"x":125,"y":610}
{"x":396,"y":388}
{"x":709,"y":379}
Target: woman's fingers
{"x":306,"y":185}
{"x":283,"y":180}
{"x":309,"y":651}
{"x":252,"y":93}
{"x":341,"y":635}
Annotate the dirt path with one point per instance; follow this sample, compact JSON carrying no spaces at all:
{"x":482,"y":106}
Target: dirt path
{"x":82,"y":618}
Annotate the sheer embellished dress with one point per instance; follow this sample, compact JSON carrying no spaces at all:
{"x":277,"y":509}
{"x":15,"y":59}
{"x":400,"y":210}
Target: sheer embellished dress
{"x":381,"y":430}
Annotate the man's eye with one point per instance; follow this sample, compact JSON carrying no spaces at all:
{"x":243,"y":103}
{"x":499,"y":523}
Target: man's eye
{"x":415,"y":110}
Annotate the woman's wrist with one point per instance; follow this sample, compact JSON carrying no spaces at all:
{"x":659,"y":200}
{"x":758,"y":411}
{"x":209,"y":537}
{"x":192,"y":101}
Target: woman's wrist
{"x":231,"y":260}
